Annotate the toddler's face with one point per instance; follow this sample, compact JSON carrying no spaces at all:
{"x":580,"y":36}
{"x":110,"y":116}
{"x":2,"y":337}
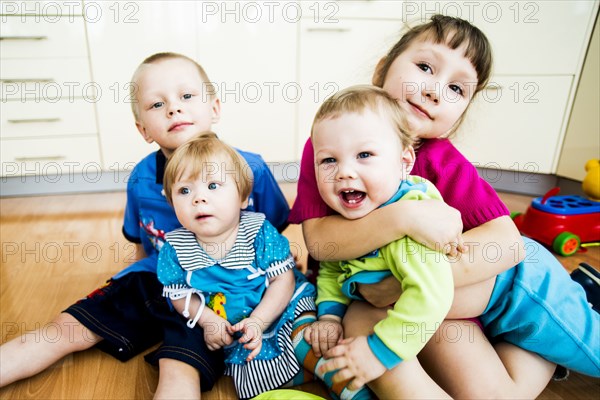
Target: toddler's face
{"x":433,"y":84}
{"x":209,"y":205}
{"x":359,"y":162}
{"x":173,"y":104}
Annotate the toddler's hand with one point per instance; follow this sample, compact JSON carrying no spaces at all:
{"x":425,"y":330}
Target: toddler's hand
{"x":216,"y":333}
{"x":354,"y":360}
{"x":252,"y":329}
{"x":323,"y":335}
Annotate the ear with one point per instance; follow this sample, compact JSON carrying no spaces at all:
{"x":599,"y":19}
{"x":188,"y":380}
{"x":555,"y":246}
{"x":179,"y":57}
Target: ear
{"x":216,"y":110}
{"x":408,"y":159}
{"x":142,"y":131}
{"x":244,"y":204}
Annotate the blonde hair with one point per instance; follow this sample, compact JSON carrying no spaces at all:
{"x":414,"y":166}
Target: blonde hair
{"x":198,"y":154}
{"x":453,"y":32}
{"x":357,"y":99}
{"x":156,"y":58}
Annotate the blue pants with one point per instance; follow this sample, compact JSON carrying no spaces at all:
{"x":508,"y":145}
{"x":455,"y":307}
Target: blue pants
{"x":536,"y":306}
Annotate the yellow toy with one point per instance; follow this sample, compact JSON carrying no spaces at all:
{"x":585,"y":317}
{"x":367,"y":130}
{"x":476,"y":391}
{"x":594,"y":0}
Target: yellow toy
{"x":591,"y":182}
{"x":216,"y":303}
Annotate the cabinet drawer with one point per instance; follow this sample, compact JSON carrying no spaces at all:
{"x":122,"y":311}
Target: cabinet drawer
{"x":35,"y":37}
{"x":49,"y":156}
{"x":52,"y":79}
{"x":39,"y":119}
{"x":518,"y":126}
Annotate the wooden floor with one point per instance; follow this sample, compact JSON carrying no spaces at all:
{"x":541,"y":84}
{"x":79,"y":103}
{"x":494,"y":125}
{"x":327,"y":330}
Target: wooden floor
{"x":56,"y":249}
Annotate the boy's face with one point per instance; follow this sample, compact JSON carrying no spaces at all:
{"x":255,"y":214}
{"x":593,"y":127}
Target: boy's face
{"x":433,"y":84}
{"x":359,"y":162}
{"x":209,"y":205}
{"x":173,"y":105}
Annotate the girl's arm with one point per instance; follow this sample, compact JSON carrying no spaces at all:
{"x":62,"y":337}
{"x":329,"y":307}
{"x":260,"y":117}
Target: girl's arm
{"x":492,"y":248}
{"x":429,"y":222}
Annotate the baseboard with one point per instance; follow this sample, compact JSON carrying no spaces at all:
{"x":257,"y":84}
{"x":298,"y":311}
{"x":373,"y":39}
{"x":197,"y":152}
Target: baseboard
{"x":111,"y":181}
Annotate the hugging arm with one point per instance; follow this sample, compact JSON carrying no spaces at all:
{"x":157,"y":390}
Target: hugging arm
{"x":491,"y":248}
{"x":429,"y":222}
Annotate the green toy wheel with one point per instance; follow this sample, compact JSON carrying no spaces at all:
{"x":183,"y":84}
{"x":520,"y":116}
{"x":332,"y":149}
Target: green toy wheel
{"x":515,"y":214}
{"x":566,"y":244}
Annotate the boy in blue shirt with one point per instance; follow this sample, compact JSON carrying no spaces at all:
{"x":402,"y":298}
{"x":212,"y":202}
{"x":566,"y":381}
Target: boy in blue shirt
{"x":174,"y":102}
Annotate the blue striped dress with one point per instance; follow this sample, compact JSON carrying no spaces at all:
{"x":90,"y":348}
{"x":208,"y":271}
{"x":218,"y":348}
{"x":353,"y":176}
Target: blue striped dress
{"x":232,"y":287}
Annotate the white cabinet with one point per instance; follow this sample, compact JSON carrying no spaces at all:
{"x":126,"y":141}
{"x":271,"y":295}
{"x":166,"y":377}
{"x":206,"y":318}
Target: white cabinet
{"x":518,"y":124}
{"x":66,"y":68}
{"x":251,"y":57}
{"x":48,"y":120}
{"x":538,"y":54}
{"x":336,"y":55}
{"x":124,"y":35}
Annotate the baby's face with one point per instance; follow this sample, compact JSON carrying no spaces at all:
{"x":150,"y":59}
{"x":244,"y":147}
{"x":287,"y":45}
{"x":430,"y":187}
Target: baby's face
{"x":359,"y":162}
{"x":209,"y":204}
{"x":173,"y":104}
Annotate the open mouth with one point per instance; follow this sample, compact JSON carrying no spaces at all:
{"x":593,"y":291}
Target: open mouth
{"x":351,"y":197}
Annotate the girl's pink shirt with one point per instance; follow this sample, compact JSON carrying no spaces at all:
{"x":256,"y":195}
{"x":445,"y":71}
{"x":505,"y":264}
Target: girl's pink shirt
{"x":438,"y":161}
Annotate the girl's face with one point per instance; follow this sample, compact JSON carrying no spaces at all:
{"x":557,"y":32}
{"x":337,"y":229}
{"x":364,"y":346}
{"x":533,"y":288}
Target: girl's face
{"x":433,"y":84}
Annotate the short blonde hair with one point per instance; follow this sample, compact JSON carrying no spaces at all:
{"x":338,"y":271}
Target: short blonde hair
{"x":357,"y":99}
{"x":198,"y":154}
{"x":156,"y":58}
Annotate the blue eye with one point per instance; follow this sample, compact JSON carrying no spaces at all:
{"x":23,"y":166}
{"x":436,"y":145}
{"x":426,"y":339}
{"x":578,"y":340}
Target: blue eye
{"x":328,"y":160}
{"x":364,"y":154}
{"x":213,"y":186}
{"x":187,"y":96}
{"x":184,"y":190}
{"x":158,"y":104}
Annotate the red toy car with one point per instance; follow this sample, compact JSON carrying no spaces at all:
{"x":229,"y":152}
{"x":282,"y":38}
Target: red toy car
{"x":561,"y":222}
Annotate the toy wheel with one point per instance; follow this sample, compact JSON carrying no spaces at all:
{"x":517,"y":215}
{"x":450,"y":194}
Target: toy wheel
{"x":515,"y":214}
{"x":566,"y":244}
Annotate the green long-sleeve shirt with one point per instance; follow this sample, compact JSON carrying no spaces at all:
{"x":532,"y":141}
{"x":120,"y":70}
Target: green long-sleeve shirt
{"x":425,"y":276}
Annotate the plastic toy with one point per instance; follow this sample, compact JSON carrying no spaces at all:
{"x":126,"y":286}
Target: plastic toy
{"x":561,"y":222}
{"x":591,"y":182}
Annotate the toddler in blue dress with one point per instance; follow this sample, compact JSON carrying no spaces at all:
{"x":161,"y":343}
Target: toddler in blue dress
{"x":236,"y":263}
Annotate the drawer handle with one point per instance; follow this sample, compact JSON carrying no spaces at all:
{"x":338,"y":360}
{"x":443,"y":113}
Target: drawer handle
{"x":40,"y":158}
{"x":331,"y":30}
{"x":27,"y":80}
{"x":30,"y":120}
{"x":23,"y":37}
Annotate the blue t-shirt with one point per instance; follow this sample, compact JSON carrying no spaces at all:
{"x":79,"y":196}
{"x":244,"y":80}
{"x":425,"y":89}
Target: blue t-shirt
{"x":148,"y":215}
